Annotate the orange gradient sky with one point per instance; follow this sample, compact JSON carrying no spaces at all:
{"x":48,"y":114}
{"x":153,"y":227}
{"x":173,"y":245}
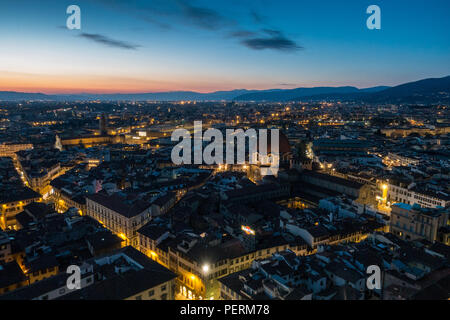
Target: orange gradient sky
{"x":64,"y":84}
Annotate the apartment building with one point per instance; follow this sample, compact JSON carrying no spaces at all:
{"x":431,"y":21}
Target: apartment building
{"x":11,"y":277}
{"x":400,"y":160}
{"x":414,"y":222}
{"x":119,"y":213}
{"x":13,"y":203}
{"x":410,"y":194}
{"x":333,"y":183}
{"x":5,"y":248}
{"x":199,"y":266}
{"x":124,"y":274}
{"x":9,"y":150}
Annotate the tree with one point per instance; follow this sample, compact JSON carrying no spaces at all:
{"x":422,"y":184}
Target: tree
{"x":301,"y":149}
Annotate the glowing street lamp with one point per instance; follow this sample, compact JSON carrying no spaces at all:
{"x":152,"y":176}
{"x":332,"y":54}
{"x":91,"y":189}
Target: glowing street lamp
{"x":205,"y":268}
{"x":384,"y":188}
{"x":123,"y":236}
{"x":248,"y":230}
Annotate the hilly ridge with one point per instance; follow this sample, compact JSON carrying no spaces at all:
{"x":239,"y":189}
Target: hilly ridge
{"x":427,"y":90}
{"x":293,"y":94}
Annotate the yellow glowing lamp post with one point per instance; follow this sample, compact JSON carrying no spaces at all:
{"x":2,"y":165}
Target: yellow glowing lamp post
{"x":385,"y":190}
{"x":123,"y":237}
{"x":153,"y":255}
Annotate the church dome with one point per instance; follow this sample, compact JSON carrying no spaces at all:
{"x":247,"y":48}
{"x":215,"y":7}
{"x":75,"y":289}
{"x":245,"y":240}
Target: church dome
{"x":284,"y":146}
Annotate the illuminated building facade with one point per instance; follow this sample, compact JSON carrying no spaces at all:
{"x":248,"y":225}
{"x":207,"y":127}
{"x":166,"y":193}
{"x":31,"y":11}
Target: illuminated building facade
{"x":121,"y":216}
{"x":9,"y":150}
{"x":406,"y":193}
{"x":414,"y":222}
{"x":13,"y":203}
{"x":198,"y":266}
{"x":404,"y":132}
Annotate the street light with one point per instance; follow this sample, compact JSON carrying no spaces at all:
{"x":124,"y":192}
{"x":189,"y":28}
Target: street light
{"x":205,"y":268}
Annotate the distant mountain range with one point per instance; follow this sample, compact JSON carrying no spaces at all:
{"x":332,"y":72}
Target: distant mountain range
{"x":152,"y":96}
{"x":18,"y":96}
{"x":431,"y":90}
{"x":299,"y":93}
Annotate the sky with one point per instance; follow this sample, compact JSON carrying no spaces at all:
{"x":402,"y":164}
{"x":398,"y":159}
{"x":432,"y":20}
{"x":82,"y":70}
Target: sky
{"x":207,"y":45}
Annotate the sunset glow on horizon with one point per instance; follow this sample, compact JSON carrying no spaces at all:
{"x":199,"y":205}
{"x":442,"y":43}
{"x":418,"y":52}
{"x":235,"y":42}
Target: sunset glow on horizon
{"x":62,"y":84}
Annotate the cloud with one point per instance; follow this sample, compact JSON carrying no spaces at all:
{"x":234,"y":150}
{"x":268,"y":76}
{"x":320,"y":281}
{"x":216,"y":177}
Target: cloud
{"x":104,"y":40}
{"x":273,"y":33}
{"x":203,"y":17}
{"x":266,"y":39}
{"x":243,"y":34}
{"x":272,"y":39}
{"x":170,"y":14}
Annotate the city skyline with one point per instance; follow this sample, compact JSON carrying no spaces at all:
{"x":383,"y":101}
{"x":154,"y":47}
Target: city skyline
{"x":207,"y":47}
{"x":255,"y":155}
